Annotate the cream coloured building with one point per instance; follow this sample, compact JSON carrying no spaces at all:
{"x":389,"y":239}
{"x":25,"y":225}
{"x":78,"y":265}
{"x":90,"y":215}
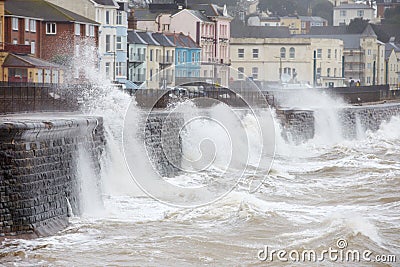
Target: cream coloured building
{"x":289,"y":60}
{"x":344,"y":13}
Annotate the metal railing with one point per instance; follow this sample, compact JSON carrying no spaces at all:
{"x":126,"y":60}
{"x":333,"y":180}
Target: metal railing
{"x":35,"y":97}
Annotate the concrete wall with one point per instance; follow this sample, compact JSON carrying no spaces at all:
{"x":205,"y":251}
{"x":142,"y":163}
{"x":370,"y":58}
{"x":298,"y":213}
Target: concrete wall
{"x":38,"y":171}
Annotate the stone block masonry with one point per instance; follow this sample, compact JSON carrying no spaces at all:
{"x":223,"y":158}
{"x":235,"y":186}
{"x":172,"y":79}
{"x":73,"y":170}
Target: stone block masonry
{"x":39,"y":184}
{"x":163,"y":142}
{"x":299,"y":125}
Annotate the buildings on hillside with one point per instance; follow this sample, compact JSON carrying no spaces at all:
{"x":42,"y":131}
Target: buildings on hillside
{"x":344,"y":13}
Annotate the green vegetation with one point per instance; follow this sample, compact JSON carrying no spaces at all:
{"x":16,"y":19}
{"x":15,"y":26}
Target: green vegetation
{"x":392,"y":16}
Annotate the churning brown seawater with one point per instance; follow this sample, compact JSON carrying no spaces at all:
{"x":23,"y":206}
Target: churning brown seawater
{"x":317,"y":193}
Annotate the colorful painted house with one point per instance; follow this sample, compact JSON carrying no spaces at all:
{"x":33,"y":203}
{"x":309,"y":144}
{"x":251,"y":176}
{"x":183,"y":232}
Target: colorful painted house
{"x":187,"y":58}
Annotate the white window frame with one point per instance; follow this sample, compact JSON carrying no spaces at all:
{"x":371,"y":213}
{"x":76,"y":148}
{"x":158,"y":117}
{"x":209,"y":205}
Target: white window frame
{"x":108,"y":43}
{"x":14,"y":22}
{"x":240,"y":52}
{"x":51,"y":28}
{"x":319,"y":53}
{"x":255,"y":52}
{"x":254,"y":73}
{"x":26,"y":24}
{"x":33,"y":47}
{"x":241,"y":73}
{"x":292,"y":52}
{"x":282,"y":53}
{"x":15,"y":41}
{"x":32,"y":25}
{"x":77,"y":29}
{"x":360,"y":13}
{"x":108,"y":17}
{"x":87,"y":29}
{"x":119,"y":18}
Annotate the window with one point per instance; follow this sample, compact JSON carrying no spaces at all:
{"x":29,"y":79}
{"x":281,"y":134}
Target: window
{"x":51,"y":28}
{"x":240,"y":73}
{"x":151,"y":56}
{"x":292,"y":52}
{"x":27,"y":25}
{"x":108,"y":43}
{"x":77,"y":29}
{"x":368,"y":79}
{"x":119,"y":17}
{"x":255,"y":53}
{"x":91,"y":30}
{"x":108,"y":70}
{"x":360,"y":13}
{"x":87,"y":29}
{"x":193,"y":57}
{"x":318,"y":73}
{"x":335,"y":53}
{"x":343,"y":13}
{"x":119,"y":42}
{"x":15,"y":41}
{"x":369,"y":65}
{"x":283,"y":52}
{"x":254,"y":73}
{"x":369,"y":52}
{"x":26,"y":42}
{"x":179,"y":57}
{"x":184,"y":56}
{"x":32,"y":25}
{"x":120,"y":69}
{"x":240,"y":53}
{"x":107,"y":17}
{"x":329,"y":53}
{"x":33,"y":47}
{"x":319,"y":53}
{"x":328,"y":72}
{"x":14,"y":22}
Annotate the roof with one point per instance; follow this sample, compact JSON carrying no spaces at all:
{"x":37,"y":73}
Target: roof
{"x":148,"y":38}
{"x":106,"y":2}
{"x":134,"y":38}
{"x":240,"y":30}
{"x":353,"y":6}
{"x":43,"y":10}
{"x":350,"y":41}
{"x":199,"y":15}
{"x":181,"y":40}
{"x":162,"y":39}
{"x":385,"y":31}
{"x":145,"y":14}
{"x":210,"y":10}
{"x":13,"y":60}
{"x":328,"y":30}
{"x":312,"y":19}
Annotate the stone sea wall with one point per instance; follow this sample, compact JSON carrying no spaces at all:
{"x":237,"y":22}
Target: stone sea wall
{"x":163,"y":142}
{"x":299,"y":125}
{"x":39,"y":184}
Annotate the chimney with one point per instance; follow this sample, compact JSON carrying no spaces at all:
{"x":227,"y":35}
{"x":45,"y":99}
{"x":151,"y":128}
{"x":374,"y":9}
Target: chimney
{"x":132,"y":22}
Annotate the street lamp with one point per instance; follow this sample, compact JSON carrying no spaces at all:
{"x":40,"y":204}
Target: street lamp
{"x":280,"y":68}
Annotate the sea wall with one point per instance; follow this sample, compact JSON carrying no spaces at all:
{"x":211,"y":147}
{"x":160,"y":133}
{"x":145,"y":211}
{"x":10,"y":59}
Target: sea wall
{"x":163,"y":142}
{"x":299,"y":125}
{"x":39,"y":184}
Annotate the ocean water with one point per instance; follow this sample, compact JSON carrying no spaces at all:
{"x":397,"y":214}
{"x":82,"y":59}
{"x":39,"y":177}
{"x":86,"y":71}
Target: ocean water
{"x":326,"y":190}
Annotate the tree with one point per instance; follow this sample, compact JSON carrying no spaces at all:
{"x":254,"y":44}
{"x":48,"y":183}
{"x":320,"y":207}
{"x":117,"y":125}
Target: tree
{"x":392,"y":16}
{"x":324,"y":10}
{"x":357,"y":25}
{"x":283,"y":7}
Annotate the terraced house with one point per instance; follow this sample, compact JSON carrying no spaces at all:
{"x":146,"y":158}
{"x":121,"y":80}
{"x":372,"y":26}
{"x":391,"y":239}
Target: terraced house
{"x":49,"y":32}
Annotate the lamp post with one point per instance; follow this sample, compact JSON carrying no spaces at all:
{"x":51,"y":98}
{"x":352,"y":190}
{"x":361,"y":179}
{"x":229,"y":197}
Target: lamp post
{"x":280,"y":68}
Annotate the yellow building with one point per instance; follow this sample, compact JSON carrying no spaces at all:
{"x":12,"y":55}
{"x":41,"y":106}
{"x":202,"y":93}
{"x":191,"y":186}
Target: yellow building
{"x":294,"y":24}
{"x":28,"y":69}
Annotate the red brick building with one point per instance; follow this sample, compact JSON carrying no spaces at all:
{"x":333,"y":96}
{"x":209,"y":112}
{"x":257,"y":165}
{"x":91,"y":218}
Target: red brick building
{"x":53,"y":33}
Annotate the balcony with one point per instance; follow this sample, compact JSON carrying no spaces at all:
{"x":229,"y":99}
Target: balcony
{"x":16,"y":48}
{"x":139,"y":78}
{"x":166,"y":60}
{"x":137,"y":58}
